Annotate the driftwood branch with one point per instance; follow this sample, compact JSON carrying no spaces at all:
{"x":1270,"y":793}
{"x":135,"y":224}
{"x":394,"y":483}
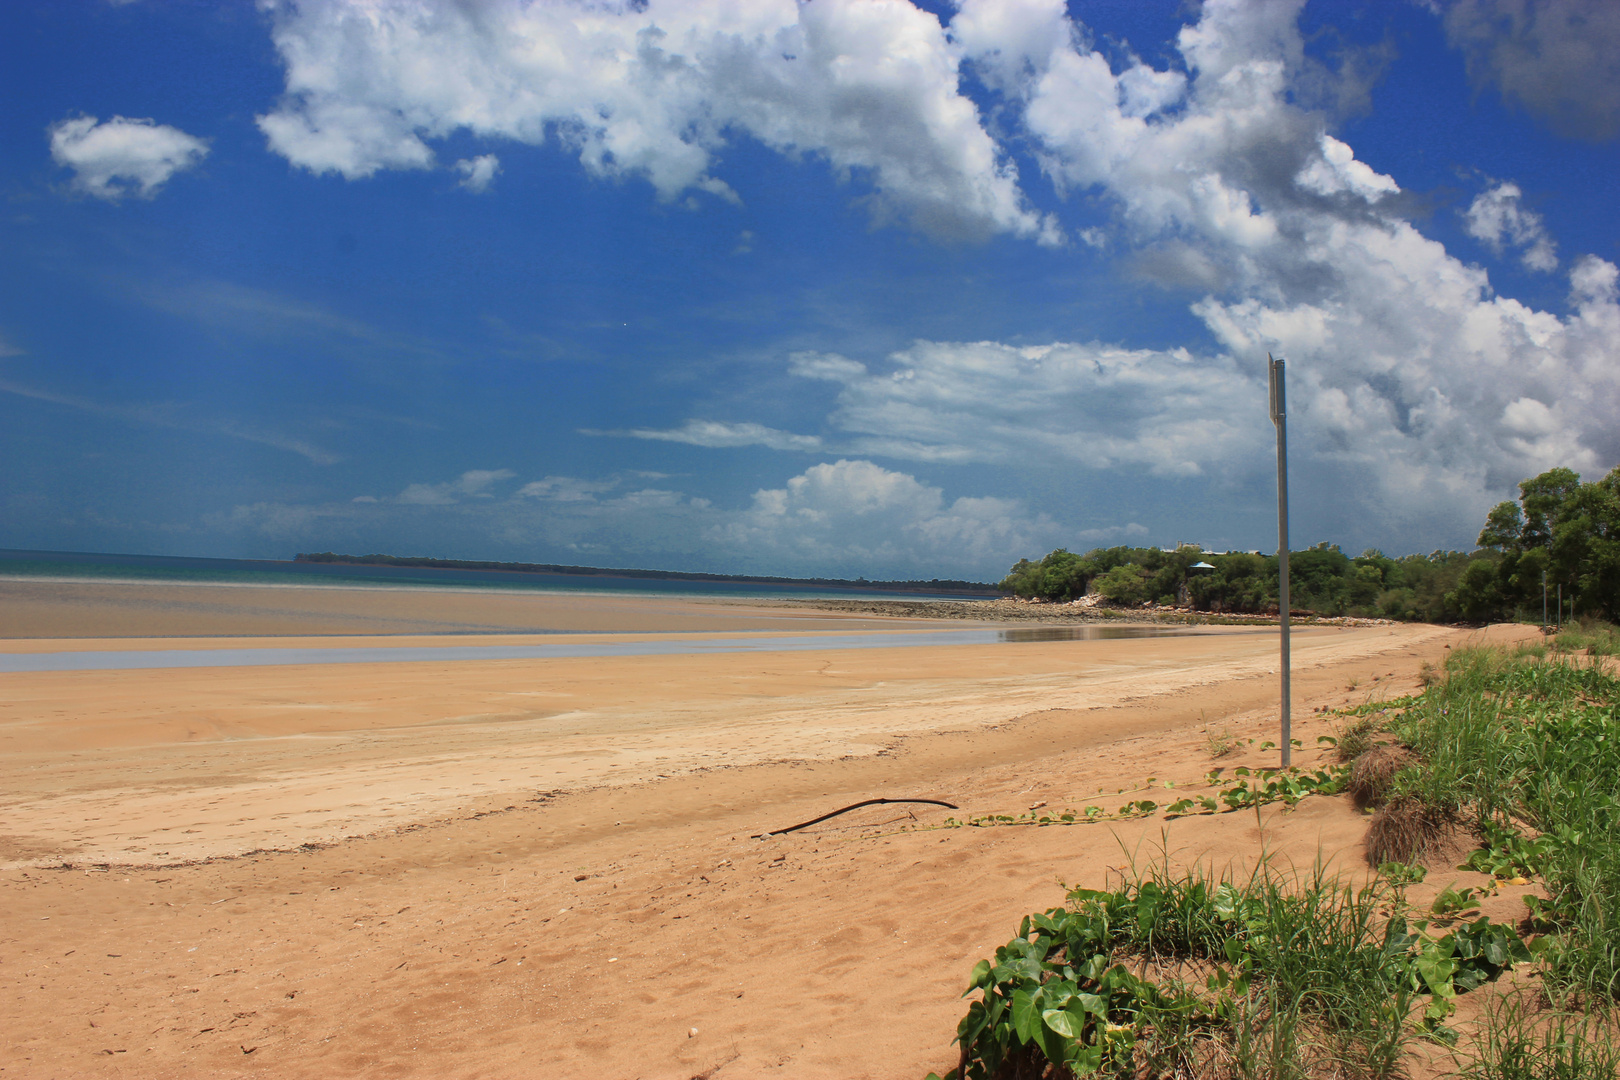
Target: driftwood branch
{"x":847,"y":809}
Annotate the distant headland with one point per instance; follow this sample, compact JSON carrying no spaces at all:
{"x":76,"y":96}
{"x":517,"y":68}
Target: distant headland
{"x":933,"y":586}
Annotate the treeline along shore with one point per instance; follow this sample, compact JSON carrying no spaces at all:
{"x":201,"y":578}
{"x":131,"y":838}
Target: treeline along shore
{"x":1552,"y":555}
{"x":933,"y":586}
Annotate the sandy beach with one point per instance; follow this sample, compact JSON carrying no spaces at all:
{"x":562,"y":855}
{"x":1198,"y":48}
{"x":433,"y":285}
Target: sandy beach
{"x":546,"y":867}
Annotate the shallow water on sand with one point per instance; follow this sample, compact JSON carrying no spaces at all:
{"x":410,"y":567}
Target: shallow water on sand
{"x":115,"y":660}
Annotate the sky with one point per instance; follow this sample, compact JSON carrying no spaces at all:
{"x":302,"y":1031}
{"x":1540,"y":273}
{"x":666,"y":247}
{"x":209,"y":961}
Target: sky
{"x":843,"y":287}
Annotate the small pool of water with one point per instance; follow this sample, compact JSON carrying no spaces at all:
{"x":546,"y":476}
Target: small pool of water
{"x":114,"y":660}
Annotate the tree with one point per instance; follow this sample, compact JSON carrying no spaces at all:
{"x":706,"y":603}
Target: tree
{"x":1559,"y":527}
{"x":1567,"y":529}
{"x":1504,"y":525}
{"x":1478,"y":596}
{"x":1062,"y":575}
{"x":1125,"y":584}
{"x":1544,"y":498}
{"x":1586,"y":545}
{"x":1241,"y":583}
{"x":1317,"y":577}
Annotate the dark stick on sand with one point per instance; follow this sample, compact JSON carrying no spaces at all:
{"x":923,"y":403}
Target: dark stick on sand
{"x":847,"y":809}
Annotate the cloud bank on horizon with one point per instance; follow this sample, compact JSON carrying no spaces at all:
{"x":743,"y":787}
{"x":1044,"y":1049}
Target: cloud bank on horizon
{"x":1215,"y":174}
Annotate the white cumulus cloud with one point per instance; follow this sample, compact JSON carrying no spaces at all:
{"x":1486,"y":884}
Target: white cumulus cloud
{"x":1337,"y":170}
{"x":1497,"y":217}
{"x":118,"y":157}
{"x":1419,"y":394}
{"x":478,"y":173}
{"x":1424,"y":395}
{"x":1096,"y":406}
{"x":1417,"y":397}
{"x":854,"y":513}
{"x":472,"y":484}
{"x":566,"y":489}
{"x":1405,"y":364}
{"x":650,"y":90}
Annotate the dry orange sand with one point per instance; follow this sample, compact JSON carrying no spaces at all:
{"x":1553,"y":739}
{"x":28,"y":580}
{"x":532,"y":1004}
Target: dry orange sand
{"x":627,"y":925}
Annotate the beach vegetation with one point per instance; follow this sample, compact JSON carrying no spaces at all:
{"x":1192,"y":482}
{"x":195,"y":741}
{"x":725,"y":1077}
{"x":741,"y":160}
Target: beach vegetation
{"x":1522,"y":1041}
{"x":1191,"y":974}
{"x":1524,"y":751}
{"x":1594,"y":637}
{"x":1242,"y":789}
{"x":1355,"y":736}
{"x":1512,"y":755}
{"x":1221,"y":743}
{"x":1560,"y":534}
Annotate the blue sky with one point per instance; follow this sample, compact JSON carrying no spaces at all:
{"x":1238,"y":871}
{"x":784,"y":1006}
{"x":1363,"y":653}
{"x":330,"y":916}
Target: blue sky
{"x":847,"y":287}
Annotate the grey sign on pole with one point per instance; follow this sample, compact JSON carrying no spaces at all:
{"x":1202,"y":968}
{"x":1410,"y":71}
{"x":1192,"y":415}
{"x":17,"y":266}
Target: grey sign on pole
{"x":1279,"y":417}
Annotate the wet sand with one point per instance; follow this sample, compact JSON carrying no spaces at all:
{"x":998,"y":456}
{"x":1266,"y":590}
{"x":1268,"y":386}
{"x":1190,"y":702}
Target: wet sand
{"x":34,"y":609}
{"x":518,"y":868}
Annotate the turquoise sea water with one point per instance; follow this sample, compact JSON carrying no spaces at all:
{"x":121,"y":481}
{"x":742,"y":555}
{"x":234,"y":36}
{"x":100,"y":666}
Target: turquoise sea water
{"x":181,"y":570}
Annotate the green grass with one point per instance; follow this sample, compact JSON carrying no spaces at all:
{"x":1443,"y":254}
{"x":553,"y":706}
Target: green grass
{"x":1356,"y":736}
{"x":1590,"y":636}
{"x":1519,"y":1042}
{"x":1187,"y":975}
{"x":1510,"y":740}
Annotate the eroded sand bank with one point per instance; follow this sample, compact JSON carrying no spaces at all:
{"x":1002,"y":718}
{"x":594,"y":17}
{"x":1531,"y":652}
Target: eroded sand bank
{"x":556,"y":876}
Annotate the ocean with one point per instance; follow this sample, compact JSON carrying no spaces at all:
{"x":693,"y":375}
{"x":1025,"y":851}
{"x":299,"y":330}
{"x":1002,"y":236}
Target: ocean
{"x":181,"y":570}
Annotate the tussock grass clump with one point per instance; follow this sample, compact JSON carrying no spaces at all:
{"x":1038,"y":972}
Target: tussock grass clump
{"x":1355,"y":737}
{"x":1408,"y":830}
{"x":1373,"y":773}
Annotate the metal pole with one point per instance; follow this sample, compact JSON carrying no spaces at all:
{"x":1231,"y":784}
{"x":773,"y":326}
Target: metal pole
{"x":1279,"y":417}
{"x":1544,"y":598}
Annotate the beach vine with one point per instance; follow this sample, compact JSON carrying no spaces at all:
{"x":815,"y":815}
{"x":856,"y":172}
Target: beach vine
{"x":1241,"y":789}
